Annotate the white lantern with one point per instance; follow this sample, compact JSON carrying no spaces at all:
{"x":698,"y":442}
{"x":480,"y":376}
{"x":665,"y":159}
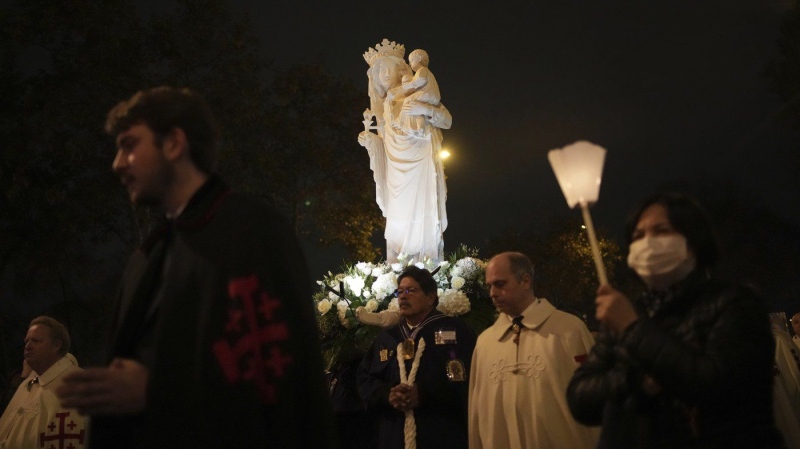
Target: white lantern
{"x":579,"y":170}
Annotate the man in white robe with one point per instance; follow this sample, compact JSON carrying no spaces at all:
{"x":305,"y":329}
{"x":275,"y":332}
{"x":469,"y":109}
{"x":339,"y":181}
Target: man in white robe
{"x":34,"y":418}
{"x":522,"y":365}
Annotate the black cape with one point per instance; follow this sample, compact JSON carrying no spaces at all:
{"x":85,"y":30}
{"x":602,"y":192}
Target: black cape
{"x":228,"y":333}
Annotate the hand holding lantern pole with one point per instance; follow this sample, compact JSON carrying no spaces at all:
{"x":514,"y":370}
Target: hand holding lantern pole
{"x":579,"y":169}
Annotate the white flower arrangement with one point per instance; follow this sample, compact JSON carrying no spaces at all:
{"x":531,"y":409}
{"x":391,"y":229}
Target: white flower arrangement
{"x":453,"y":302}
{"x":460,"y":286}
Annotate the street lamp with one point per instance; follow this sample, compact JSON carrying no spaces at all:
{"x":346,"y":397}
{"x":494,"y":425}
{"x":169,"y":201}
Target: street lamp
{"x":579,"y":169}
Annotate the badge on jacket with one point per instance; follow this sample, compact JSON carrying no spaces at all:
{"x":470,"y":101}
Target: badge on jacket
{"x":445,"y":337}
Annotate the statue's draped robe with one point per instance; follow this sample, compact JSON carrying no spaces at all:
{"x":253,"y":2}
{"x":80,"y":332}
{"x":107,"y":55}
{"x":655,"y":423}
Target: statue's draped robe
{"x":410,"y":186}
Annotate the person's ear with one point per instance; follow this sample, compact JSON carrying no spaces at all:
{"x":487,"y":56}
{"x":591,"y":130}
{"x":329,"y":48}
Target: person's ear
{"x":526,"y":281}
{"x":432,"y":297}
{"x":175,"y":144}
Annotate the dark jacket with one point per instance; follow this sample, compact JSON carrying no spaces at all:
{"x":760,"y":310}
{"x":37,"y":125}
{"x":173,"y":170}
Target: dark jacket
{"x":441,"y":416}
{"x":708,"y":349}
{"x":225,"y":325}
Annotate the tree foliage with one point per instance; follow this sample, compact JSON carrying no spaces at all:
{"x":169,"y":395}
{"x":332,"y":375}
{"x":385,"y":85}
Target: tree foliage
{"x":319,"y":173}
{"x":564,"y":268}
{"x":65,"y":222}
{"x":784,"y":70}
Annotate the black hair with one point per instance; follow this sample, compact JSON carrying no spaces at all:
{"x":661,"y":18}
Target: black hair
{"x":424,"y":278}
{"x":689,"y":218}
{"x":165,"y":108}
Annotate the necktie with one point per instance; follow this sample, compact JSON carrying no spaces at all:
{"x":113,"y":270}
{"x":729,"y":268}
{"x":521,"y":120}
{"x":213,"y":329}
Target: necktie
{"x":516,"y":327}
{"x":35,"y":380}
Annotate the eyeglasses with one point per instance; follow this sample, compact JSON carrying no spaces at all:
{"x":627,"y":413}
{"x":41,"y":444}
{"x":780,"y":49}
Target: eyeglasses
{"x":407,"y":291}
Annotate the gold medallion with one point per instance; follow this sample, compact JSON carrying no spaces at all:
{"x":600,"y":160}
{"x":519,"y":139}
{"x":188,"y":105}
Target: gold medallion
{"x":456,"y":371}
{"x":384,"y":355}
{"x":408,"y":349}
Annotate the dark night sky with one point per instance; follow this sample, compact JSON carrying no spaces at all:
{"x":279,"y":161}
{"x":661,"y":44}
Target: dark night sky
{"x":674,"y":91}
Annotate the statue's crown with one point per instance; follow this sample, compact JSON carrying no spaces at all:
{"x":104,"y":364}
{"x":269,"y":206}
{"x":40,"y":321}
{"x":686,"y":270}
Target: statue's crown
{"x":385,"y":48}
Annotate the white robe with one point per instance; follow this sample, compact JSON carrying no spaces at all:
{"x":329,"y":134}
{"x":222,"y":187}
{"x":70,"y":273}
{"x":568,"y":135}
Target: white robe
{"x":35,"y":419}
{"x":786,"y":394}
{"x":518,"y":392}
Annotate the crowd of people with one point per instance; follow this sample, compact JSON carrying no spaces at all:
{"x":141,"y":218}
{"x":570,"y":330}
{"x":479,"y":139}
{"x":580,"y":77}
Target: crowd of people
{"x":214,"y":342}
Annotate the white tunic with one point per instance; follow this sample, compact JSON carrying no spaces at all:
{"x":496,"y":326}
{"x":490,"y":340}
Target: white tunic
{"x":518,"y":392}
{"x":35,"y":419}
{"x":786,"y":392}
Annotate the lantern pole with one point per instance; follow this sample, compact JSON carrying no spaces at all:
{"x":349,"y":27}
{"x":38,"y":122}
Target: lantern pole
{"x":578,"y":169}
{"x":598,"y":259}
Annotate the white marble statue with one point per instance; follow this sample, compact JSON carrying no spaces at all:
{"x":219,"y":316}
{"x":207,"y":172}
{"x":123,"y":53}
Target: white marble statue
{"x":404,"y":154}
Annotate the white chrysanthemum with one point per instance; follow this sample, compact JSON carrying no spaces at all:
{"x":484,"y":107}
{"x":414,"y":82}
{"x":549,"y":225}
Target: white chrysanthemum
{"x":469,"y":268}
{"x":453,"y":303}
{"x":384,"y":285}
{"x":371,"y":306}
{"x":324,"y":306}
{"x":457,"y":282}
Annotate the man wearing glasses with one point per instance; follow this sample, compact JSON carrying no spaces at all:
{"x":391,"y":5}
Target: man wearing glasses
{"x":416,"y":373}
{"x":796,"y":326}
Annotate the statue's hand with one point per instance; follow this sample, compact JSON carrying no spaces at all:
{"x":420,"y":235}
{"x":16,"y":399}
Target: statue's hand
{"x":417,"y":108}
{"x":362,"y":138}
{"x":395,"y":93}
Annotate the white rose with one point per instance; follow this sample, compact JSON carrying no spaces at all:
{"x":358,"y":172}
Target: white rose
{"x":342,"y":309}
{"x":372,"y":305}
{"x":324,"y":306}
{"x":457,"y":282}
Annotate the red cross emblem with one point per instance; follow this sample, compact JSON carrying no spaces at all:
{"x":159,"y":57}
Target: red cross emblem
{"x":250,"y":347}
{"x":62,"y":436}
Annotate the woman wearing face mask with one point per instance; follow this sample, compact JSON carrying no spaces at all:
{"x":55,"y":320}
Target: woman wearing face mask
{"x":689,"y":363}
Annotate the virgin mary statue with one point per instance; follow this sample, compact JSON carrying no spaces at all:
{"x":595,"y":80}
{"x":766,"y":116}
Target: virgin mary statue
{"x":409,"y":176}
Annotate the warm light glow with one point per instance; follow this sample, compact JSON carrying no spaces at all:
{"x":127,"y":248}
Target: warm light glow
{"x":444,"y":154}
{"x":578,"y":168}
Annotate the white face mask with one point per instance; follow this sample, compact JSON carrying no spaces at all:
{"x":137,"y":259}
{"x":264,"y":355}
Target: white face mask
{"x":661,"y":261}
